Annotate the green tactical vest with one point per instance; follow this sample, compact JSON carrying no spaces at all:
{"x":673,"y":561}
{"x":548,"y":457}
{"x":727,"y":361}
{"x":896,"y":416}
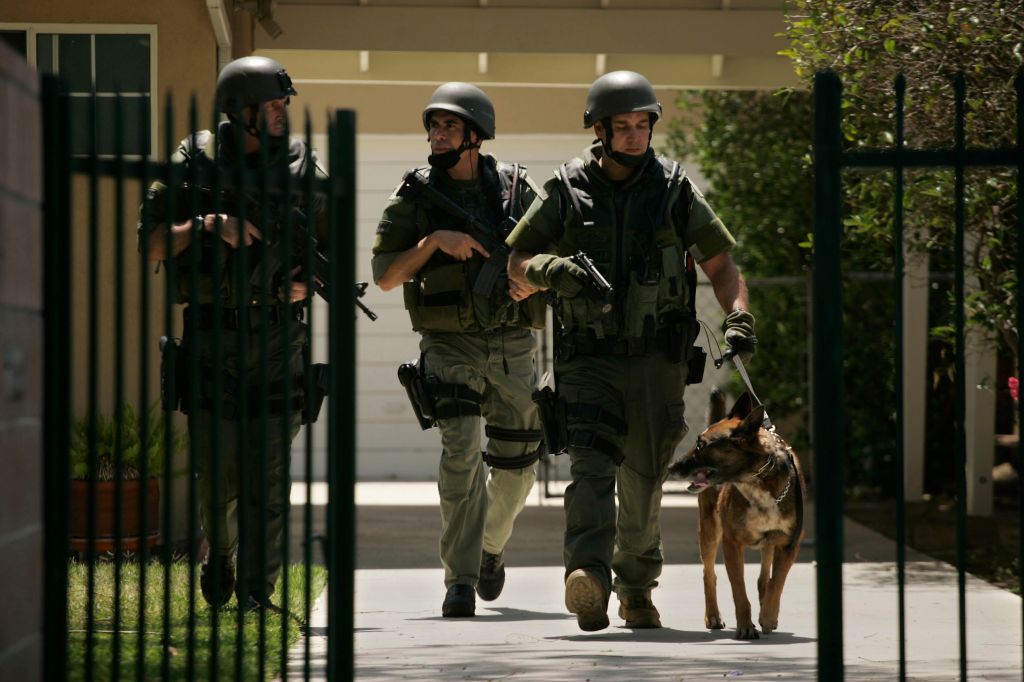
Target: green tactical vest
{"x":199,"y":155}
{"x":629,"y":234}
{"x":440,"y":298}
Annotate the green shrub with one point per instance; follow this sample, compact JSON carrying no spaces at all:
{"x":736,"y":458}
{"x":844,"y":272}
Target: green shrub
{"x":118,"y":442}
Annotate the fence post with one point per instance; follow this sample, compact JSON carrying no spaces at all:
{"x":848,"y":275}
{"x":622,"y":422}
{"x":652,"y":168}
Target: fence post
{"x":56,"y":373}
{"x":827,"y":375}
{"x":341,"y":437}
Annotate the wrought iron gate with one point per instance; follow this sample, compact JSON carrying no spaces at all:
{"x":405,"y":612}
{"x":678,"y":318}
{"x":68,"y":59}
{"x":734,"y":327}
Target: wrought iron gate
{"x":107,"y":363}
{"x":830,"y":158}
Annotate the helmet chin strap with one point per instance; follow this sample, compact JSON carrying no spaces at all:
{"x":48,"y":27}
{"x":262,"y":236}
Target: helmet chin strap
{"x":249,"y":122}
{"x":627,"y":160}
{"x":447,"y":160}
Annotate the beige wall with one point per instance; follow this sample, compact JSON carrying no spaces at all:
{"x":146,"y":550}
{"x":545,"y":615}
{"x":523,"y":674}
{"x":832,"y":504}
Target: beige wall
{"x":186,"y":60}
{"x":186,"y":49}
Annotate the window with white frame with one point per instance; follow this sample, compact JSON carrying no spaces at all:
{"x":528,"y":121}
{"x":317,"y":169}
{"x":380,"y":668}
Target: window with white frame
{"x":110,"y":61}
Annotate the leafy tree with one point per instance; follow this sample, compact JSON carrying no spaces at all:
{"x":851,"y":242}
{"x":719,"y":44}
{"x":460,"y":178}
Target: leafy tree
{"x":755,"y":150}
{"x":868,"y":44}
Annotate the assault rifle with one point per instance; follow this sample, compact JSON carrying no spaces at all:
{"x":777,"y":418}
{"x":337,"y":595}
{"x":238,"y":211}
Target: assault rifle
{"x":416,"y":188}
{"x":296,"y":225}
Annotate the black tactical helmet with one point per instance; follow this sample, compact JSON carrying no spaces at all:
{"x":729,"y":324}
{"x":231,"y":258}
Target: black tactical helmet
{"x":468,"y":101}
{"x":251,"y":80}
{"x":620,"y":92}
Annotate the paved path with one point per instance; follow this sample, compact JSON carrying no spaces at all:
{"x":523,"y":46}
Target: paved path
{"x":527,"y":635}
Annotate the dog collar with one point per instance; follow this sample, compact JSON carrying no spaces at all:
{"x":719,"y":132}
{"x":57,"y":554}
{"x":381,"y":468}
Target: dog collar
{"x":768,"y":465}
{"x":785,"y":491}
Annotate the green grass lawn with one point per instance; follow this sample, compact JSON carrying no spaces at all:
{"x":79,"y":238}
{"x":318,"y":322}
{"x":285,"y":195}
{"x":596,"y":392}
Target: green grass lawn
{"x":178,"y":645}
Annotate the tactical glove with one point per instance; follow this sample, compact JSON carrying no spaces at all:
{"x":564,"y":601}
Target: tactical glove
{"x":549,"y":271}
{"x":739,"y":334}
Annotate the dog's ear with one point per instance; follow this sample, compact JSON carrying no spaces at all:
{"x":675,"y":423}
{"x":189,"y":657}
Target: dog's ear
{"x":741,"y":408}
{"x":751,"y":424}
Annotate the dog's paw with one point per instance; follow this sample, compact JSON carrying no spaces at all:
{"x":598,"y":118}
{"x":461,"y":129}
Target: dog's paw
{"x":768,"y":627}
{"x":714,"y":623}
{"x":747,"y":631}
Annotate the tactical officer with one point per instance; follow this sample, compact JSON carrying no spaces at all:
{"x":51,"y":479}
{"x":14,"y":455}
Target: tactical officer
{"x":441,"y":238}
{"x":256,"y":319}
{"x":622,"y":359}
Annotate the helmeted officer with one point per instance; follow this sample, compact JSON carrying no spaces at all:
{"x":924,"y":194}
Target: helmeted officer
{"x":622,"y":363}
{"x":229,"y":307}
{"x":477,"y":349}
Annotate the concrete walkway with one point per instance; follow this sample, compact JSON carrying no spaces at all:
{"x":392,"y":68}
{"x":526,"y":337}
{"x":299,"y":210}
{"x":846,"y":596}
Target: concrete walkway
{"x":527,"y":635}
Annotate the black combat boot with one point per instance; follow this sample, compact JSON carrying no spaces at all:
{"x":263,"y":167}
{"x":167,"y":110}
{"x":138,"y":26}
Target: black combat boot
{"x":492,"y":576}
{"x":225,"y":582}
{"x":459,"y":602}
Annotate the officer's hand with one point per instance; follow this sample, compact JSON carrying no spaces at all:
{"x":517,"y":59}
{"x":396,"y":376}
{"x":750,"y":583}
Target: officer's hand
{"x":299,"y":291}
{"x":739,"y":334}
{"x":552,"y":272}
{"x":232,"y":230}
{"x":458,"y":245}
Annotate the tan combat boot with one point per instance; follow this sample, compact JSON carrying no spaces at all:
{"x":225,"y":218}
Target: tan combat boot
{"x":639,"y":611}
{"x":586,"y":597}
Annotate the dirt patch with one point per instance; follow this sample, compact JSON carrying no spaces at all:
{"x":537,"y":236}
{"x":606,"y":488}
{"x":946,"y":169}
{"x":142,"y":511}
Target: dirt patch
{"x":992,"y":547}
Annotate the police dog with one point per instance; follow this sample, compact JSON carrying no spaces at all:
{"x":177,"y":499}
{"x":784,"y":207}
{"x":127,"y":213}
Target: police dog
{"x":751,"y":495}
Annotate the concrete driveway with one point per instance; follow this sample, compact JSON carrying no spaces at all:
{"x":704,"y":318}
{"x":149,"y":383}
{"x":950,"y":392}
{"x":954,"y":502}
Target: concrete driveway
{"x":526,"y":634}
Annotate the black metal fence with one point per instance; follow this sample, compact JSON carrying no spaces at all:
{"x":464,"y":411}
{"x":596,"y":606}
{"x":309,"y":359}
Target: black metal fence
{"x":129,"y":601}
{"x":830,"y":159}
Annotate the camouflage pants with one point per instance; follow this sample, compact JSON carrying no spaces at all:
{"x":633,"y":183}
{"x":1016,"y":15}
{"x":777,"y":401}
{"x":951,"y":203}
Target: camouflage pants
{"x":478,"y":510}
{"x":646,"y":393}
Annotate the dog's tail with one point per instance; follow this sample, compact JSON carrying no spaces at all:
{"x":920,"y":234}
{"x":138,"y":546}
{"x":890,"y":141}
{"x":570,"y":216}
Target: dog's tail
{"x":716,"y":405}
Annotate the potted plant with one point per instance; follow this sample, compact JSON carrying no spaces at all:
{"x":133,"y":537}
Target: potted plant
{"x":108,"y":442}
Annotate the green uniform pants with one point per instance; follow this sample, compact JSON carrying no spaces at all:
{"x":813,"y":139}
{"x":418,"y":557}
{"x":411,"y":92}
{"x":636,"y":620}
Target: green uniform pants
{"x":477,"y":510}
{"x":253,"y":457}
{"x":646,"y":393}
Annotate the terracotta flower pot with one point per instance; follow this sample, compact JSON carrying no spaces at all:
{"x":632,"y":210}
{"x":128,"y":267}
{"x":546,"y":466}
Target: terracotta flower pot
{"x":132,"y":534}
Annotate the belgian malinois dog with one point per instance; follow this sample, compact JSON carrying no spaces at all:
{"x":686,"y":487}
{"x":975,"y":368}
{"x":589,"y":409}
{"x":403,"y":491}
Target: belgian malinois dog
{"x":751,"y":495}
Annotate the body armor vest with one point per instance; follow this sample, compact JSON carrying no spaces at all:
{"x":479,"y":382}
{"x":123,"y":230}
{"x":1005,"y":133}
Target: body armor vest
{"x":630,"y":236}
{"x":198,"y":153}
{"x":441,"y":298}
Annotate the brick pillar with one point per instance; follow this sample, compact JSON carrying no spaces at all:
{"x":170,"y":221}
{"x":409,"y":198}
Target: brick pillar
{"x":21,"y":360}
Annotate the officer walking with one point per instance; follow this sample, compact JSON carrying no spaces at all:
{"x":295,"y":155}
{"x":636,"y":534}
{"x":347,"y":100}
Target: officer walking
{"x":237,"y":309}
{"x":441,"y":238}
{"x":622,"y":360}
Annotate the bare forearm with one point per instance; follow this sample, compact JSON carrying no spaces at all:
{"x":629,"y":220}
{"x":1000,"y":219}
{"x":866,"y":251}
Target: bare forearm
{"x":156,"y":243}
{"x":408,"y":263}
{"x":728,"y":283}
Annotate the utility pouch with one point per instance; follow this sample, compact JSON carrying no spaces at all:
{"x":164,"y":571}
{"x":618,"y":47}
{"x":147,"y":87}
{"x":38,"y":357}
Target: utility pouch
{"x":551,"y":408}
{"x":439,"y":299}
{"x":321,"y":381}
{"x":171,"y":375}
{"x":695,"y":365}
{"x":411,"y":380}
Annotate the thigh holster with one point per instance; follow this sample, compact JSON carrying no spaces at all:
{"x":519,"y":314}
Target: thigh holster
{"x":551,"y":408}
{"x":433,"y":399}
{"x":582,"y":434}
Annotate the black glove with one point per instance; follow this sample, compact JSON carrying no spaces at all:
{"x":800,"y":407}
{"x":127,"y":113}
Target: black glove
{"x":739,"y":334}
{"x":559,"y":274}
